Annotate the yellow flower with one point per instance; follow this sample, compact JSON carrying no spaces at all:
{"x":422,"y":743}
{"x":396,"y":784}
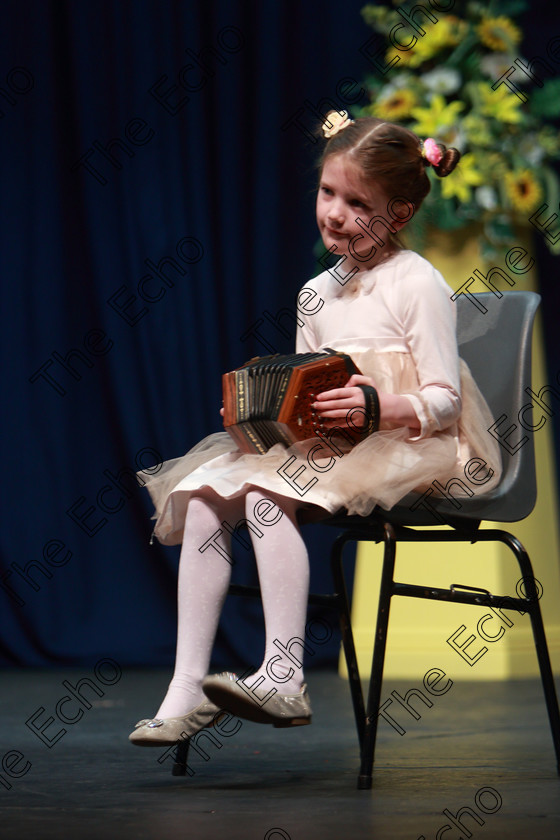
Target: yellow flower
{"x":524,"y":191}
{"x":438,"y":117}
{"x":406,"y":58}
{"x":500,"y":104}
{"x":447,"y":32}
{"x":465,"y":176}
{"x":396,"y":105}
{"x":451,"y":30}
{"x":376,"y":15}
{"x":499,"y":33}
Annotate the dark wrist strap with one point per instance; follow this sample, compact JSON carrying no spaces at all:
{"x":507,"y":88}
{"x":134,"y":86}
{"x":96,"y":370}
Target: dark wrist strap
{"x":371,"y":408}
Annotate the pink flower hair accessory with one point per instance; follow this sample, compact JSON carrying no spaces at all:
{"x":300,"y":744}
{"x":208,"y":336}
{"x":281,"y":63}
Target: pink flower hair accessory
{"x":431,"y":151}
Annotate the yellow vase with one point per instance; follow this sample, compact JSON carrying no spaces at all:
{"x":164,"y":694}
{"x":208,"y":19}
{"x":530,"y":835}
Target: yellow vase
{"x":419,"y":629}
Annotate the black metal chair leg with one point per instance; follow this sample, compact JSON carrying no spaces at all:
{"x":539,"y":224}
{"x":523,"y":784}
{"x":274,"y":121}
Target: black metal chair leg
{"x":376,"y":678}
{"x":347,"y":635}
{"x":181,"y":755}
{"x":547,"y":678}
{"x":541,"y":647}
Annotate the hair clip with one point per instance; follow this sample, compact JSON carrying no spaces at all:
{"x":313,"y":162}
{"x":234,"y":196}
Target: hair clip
{"x":431,"y":151}
{"x":335,"y":121}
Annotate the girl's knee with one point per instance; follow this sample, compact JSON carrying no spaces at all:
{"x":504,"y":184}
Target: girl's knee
{"x":196,"y":504}
{"x":198,"y":509}
{"x":268,"y":508}
{"x":209,"y":506}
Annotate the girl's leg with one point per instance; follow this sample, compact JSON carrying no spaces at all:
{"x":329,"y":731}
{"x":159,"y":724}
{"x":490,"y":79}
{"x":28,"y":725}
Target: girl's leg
{"x":283,"y":568}
{"x":204,"y":575}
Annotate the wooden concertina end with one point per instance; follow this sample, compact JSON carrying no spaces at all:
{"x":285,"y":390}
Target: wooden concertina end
{"x":268,"y":400}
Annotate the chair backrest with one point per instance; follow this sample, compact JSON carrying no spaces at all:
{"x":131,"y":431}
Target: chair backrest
{"x":496,"y":345}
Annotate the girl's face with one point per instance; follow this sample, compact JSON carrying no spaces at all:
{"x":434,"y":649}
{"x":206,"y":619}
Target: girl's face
{"x":345,"y":208}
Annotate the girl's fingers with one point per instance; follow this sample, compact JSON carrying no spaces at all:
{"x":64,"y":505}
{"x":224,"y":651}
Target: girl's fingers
{"x":359,"y":379}
{"x":341,"y":423}
{"x":334,"y":394}
{"x":352,"y":396}
{"x":337,"y":409}
{"x":338,"y":399}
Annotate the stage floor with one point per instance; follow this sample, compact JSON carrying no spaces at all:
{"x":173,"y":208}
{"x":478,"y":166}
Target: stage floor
{"x":482,"y":746}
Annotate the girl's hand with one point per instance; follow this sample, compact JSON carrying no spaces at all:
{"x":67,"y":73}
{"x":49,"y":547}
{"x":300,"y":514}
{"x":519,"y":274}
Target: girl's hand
{"x":222,"y":411}
{"x":333,"y":406}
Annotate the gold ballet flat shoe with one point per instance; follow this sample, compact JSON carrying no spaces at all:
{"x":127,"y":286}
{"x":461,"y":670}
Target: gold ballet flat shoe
{"x":281,"y":710}
{"x":162,"y":732}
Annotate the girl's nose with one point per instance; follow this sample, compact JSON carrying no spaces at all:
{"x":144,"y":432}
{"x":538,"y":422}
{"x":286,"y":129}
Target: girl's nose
{"x":335,"y":215}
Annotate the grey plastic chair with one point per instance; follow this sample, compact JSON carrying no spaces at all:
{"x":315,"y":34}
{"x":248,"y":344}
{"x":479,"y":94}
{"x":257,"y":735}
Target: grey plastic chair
{"x":497,"y":347}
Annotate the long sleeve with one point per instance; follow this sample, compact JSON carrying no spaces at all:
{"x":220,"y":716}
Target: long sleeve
{"x":403,"y":306}
{"x":429,"y":320}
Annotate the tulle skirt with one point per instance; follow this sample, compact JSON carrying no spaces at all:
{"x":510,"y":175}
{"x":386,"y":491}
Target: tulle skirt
{"x":379,"y":470}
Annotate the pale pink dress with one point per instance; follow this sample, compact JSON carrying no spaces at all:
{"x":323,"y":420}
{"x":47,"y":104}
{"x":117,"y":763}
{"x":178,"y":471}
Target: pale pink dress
{"x":397,"y":322}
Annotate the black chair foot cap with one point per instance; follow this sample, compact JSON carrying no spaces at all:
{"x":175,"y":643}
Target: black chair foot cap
{"x":364,"y":782}
{"x":179,"y":770}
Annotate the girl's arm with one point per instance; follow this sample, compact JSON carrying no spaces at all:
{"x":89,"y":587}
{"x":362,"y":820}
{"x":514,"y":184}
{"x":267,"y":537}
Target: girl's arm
{"x":334,"y":405}
{"x":423,"y":307}
{"x":429,"y":318}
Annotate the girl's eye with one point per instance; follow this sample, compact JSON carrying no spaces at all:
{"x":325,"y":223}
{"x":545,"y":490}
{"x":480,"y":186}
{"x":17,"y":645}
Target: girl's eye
{"x":326,"y":190}
{"x":357,"y":203}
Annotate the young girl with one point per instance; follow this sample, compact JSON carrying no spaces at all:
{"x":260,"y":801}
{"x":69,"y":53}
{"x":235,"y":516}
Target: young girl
{"x":391,"y":311}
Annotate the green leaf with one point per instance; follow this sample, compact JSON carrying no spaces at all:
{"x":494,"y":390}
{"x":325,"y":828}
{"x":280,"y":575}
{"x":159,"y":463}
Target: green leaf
{"x":463,"y":50}
{"x":489,"y":253}
{"x":552,"y":186}
{"x":508,"y":7}
{"x":552,"y":189}
{"x":445,"y":216}
{"x":499,"y":230}
{"x":545,"y":101}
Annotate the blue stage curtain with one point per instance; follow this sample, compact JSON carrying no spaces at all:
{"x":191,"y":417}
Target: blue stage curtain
{"x":156,"y":204}
{"x":157,"y":209}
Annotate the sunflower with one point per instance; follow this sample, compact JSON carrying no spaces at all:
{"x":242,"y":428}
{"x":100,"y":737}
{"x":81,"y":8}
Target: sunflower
{"x":396,"y":105}
{"x":499,"y":33}
{"x":523,"y":190}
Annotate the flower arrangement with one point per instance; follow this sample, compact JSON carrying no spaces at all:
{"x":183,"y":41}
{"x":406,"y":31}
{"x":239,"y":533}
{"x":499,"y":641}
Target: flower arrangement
{"x":441,"y":87}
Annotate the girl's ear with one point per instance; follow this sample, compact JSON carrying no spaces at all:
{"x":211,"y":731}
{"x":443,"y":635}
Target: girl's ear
{"x":399,"y":218}
{"x":398,"y":224}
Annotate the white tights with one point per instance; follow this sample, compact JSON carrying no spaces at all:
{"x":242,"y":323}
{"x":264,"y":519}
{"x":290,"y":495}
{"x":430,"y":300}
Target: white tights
{"x":204,"y":575}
